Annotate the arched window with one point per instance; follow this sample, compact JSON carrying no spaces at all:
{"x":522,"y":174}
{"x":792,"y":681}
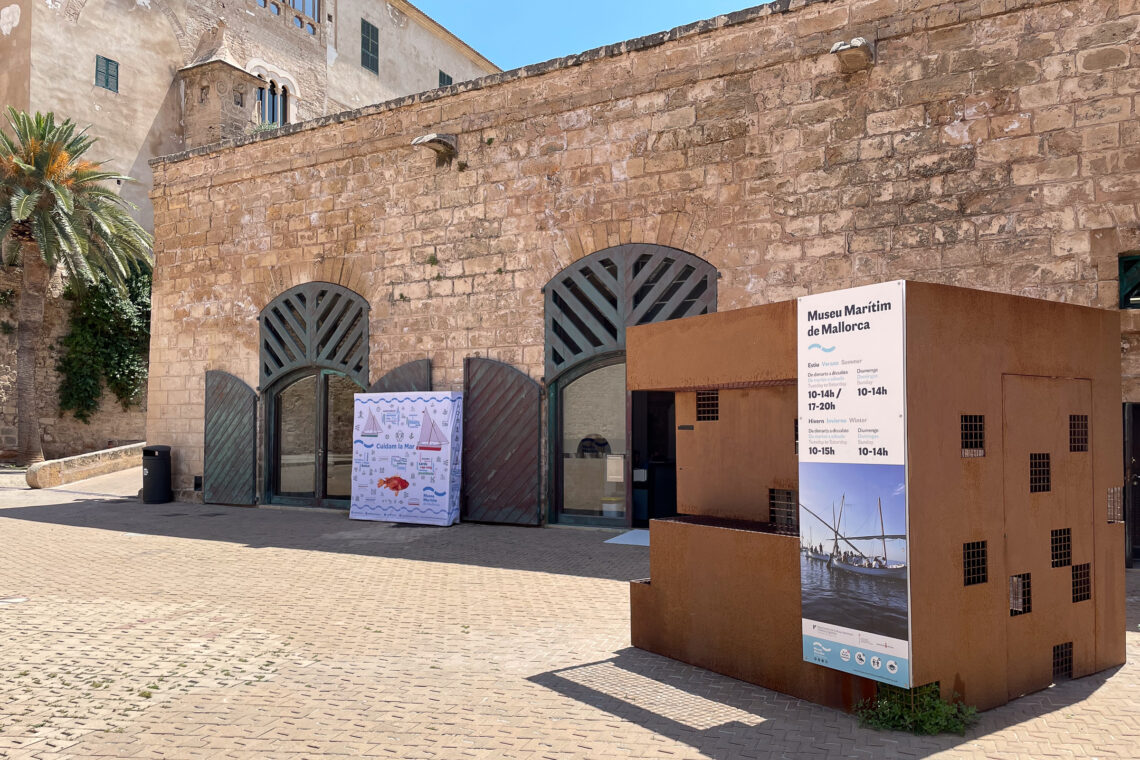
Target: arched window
{"x":273,"y":103}
{"x":262,"y":114}
{"x":284,"y":110}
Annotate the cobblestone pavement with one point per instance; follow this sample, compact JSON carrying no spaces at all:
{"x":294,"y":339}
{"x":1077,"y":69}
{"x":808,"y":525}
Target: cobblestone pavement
{"x":188,"y":631}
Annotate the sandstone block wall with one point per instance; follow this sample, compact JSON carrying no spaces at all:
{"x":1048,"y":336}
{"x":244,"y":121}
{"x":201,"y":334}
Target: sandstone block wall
{"x":994,"y":144}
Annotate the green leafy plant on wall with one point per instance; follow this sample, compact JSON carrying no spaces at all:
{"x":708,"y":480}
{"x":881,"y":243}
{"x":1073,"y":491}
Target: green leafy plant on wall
{"x":107,"y":345}
{"x":918,"y":711}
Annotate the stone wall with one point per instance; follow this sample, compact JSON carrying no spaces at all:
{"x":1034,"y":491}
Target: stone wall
{"x":993,"y":144}
{"x":63,"y":435}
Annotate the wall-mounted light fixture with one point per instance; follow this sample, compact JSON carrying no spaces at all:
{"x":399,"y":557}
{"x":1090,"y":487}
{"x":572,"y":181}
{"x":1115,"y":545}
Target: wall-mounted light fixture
{"x":446,"y":147}
{"x":856,"y":55}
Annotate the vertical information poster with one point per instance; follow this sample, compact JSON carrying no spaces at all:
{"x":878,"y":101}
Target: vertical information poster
{"x":854,"y":558}
{"x":406,"y":457}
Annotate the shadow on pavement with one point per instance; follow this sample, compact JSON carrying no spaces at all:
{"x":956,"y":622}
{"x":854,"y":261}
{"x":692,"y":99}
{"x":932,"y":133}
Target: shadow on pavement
{"x":579,"y":552}
{"x":722,"y":718}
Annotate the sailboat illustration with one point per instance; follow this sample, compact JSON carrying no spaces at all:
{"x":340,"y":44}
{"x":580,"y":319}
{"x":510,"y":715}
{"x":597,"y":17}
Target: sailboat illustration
{"x":431,"y":437}
{"x":371,"y":426}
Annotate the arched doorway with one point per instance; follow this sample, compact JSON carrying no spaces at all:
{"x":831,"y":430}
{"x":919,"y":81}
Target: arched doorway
{"x":314,"y":357}
{"x":611,"y":452}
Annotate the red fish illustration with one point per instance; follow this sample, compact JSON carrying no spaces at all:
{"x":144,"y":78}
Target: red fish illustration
{"x":396,"y":483}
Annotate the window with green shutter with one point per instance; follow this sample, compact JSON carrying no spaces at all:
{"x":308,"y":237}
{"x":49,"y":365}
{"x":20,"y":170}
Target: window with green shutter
{"x":369,"y":47}
{"x":106,"y":73}
{"x":444,"y":79}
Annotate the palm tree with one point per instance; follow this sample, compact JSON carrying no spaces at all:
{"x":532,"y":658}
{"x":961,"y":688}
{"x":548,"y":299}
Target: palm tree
{"x":56,"y":212}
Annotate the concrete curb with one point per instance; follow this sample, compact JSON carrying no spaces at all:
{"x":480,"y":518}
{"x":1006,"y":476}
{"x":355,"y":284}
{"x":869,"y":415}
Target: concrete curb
{"x":56,"y":472}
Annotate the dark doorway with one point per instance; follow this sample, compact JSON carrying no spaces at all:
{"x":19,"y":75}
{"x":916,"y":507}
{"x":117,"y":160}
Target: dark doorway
{"x":1132,"y":483}
{"x":654,"y":453}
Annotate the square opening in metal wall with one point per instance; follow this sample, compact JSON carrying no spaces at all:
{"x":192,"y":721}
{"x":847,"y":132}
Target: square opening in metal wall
{"x":782,"y":507}
{"x":1078,"y":432}
{"x":1020,"y":596}
{"x":1063,"y":661}
{"x":1039,"y":473}
{"x":975,"y":563}
{"x":708,"y":406}
{"x":973,"y":435}
{"x":1082,"y":582}
{"x":1061,"y":547}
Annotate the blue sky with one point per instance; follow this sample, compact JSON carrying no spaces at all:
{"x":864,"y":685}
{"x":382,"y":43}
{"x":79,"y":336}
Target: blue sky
{"x":859,"y":486}
{"x":512,"y":33}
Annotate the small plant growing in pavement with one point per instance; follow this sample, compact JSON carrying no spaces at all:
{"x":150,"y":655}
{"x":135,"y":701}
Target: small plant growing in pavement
{"x":919,"y":711}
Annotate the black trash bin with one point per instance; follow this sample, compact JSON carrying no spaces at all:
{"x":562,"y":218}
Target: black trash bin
{"x":156,"y":475}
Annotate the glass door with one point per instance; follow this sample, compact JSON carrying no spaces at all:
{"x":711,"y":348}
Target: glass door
{"x":592,"y":445}
{"x":312,"y":441}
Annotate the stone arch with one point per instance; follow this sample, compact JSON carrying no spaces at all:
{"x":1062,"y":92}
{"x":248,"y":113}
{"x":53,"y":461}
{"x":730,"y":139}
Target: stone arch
{"x":338,"y":270}
{"x":267,"y":71}
{"x":589,"y":304}
{"x":318,"y":324}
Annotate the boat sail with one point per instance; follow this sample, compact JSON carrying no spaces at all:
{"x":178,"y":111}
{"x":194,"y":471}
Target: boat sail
{"x":371,"y":426}
{"x":431,"y":437}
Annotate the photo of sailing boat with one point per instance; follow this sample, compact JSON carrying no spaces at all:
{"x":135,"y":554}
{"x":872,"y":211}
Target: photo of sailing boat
{"x":853,"y":566}
{"x":431,"y":437}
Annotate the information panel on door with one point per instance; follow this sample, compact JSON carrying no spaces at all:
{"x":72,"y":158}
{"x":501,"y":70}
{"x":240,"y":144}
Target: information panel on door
{"x":854,"y":555}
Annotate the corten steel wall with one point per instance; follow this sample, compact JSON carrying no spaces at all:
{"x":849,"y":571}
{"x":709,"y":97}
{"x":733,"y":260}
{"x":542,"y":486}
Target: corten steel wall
{"x":992,"y":144}
{"x":962,"y":348}
{"x":728,"y":600}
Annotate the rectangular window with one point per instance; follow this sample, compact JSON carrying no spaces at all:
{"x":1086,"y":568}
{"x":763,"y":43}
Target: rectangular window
{"x":1129,"y":272}
{"x":106,"y":73}
{"x":973,"y":435}
{"x":782,"y":507}
{"x":1115,"y":502}
{"x":796,"y":428}
{"x":1082,"y":582}
{"x":1039,"y":473}
{"x":975,"y":568}
{"x":1078,"y":432}
{"x":1063,"y":661}
{"x":708,"y":406}
{"x":369,"y":47}
{"x":1020,"y":597}
{"x":1061,"y":547}
{"x":444,"y":79}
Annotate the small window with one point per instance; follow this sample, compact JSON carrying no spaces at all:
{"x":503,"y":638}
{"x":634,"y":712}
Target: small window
{"x":203,"y":94}
{"x":1020,"y":596}
{"x":1063,"y":661}
{"x":973,"y":435}
{"x":106,"y":73}
{"x":1078,"y":432}
{"x":1061,"y":547}
{"x":239,"y":98}
{"x":782,"y":507}
{"x":261,"y":3}
{"x":1115,"y":504}
{"x":796,"y":425}
{"x":444,"y":79}
{"x":1039,"y":473}
{"x":369,"y":47}
{"x":708,"y":406}
{"x":310,"y":29}
{"x":1082,"y":582}
{"x":1129,"y":270}
{"x":297,"y":22}
{"x":975,"y":567}
{"x":275,"y":9}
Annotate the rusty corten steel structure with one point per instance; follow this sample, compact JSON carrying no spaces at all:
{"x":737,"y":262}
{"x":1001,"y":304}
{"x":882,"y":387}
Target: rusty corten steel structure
{"x":726,"y":595}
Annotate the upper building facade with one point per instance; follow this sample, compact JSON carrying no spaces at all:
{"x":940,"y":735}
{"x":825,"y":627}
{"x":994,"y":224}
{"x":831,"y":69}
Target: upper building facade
{"x":154,"y":77}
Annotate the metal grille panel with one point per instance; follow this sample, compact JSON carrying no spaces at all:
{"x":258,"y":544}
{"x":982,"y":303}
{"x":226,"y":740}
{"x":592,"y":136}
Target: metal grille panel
{"x":407,"y":378}
{"x":501,"y":412}
{"x":229,"y":468}
{"x":317,"y":324}
{"x":590,"y":303}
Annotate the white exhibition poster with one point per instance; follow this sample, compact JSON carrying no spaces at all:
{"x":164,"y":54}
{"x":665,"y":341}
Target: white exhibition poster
{"x":406,"y":457}
{"x":854,"y":560}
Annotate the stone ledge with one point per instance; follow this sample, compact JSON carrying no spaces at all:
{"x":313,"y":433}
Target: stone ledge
{"x":56,"y":472}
